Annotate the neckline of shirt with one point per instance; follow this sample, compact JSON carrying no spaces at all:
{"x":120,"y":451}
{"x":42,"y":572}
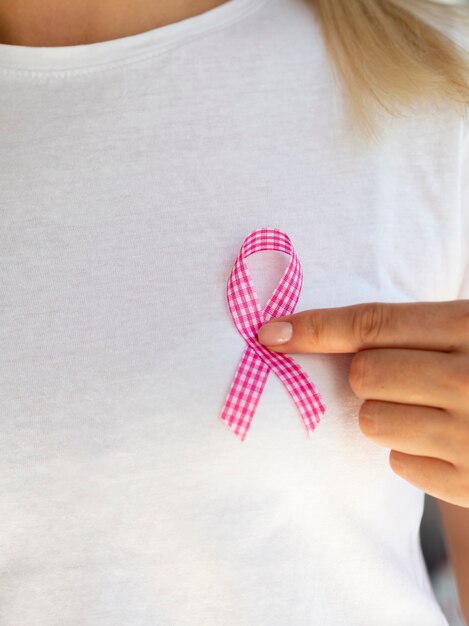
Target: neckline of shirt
{"x":123,"y":49}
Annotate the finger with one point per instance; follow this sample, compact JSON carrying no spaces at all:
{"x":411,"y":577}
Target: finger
{"x":442,"y":326}
{"x":434,"y":476}
{"x":412,"y":429}
{"x":418,"y":377}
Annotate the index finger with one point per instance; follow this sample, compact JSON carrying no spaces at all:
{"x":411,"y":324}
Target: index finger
{"x":440,"y":326}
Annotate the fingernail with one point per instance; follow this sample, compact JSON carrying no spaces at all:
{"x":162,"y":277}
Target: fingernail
{"x":274,"y":333}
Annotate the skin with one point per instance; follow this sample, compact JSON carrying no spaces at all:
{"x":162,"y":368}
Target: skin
{"x":74,"y":22}
{"x":410,"y":367}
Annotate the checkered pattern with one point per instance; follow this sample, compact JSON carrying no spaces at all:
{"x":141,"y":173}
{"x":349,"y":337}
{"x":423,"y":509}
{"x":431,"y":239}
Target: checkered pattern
{"x":257,"y":361}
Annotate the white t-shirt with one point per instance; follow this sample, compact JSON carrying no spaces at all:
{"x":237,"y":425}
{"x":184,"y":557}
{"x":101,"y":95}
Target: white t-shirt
{"x":131,"y":171}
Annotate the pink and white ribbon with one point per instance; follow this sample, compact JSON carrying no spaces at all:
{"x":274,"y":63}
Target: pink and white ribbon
{"x":257,"y":361}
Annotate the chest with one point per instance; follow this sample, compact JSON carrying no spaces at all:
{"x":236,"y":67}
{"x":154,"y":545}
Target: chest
{"x":117,"y":346}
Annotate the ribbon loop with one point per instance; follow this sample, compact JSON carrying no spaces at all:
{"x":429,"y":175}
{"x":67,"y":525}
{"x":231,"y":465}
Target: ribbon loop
{"x":257,"y":361}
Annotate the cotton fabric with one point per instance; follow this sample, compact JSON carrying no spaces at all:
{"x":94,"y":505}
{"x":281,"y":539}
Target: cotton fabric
{"x":130,"y":172}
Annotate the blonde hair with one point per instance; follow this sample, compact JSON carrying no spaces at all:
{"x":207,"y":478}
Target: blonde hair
{"x":388,"y":56}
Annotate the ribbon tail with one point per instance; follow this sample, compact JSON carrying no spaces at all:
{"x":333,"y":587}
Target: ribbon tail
{"x":245,"y":391}
{"x":304,"y":394}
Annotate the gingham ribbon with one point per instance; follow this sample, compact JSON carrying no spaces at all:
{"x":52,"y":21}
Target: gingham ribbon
{"x":257,"y":361}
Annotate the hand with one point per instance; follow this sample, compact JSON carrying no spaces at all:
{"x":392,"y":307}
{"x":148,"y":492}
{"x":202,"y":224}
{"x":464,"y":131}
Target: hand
{"x":411,"y":368}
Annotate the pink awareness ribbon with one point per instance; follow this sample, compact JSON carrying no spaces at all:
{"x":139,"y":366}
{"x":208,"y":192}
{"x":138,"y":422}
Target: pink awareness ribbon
{"x":257,"y":361}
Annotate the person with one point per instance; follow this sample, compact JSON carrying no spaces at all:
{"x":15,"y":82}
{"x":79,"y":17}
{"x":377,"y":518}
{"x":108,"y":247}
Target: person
{"x":141,"y":143}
